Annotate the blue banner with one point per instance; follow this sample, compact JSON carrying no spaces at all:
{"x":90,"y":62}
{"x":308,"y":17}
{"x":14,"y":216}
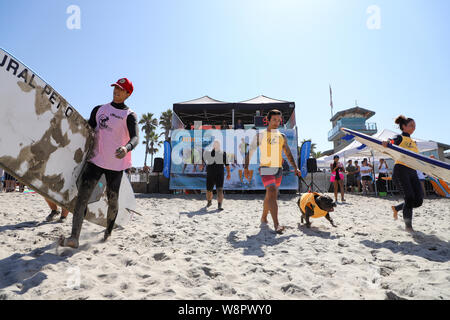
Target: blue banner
{"x":167,"y":160}
{"x":305,"y":152}
{"x":188,"y":169}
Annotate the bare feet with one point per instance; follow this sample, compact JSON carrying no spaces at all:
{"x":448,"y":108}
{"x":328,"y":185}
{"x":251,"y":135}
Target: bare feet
{"x":69,"y":242}
{"x":395,"y":213}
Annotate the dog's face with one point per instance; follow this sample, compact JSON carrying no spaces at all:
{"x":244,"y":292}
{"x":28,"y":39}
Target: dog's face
{"x":325,"y":203}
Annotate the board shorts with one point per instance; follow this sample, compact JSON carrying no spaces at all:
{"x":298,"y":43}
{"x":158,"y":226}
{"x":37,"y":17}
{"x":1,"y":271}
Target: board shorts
{"x":214,"y":178}
{"x":271,"y":176}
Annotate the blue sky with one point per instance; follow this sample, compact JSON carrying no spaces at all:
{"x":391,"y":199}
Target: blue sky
{"x":235,"y":50}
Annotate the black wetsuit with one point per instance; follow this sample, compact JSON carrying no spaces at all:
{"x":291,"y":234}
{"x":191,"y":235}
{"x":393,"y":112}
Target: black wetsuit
{"x":93,"y":173}
{"x":214,"y":171}
{"x":408,"y":182}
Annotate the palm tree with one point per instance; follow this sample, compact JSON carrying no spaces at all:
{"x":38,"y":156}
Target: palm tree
{"x":165,"y":121}
{"x":153,"y":141}
{"x":149,"y":125}
{"x":317,"y":154}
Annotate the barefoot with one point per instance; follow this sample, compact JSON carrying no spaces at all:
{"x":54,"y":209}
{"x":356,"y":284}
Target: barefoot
{"x":395,"y":213}
{"x":69,"y":242}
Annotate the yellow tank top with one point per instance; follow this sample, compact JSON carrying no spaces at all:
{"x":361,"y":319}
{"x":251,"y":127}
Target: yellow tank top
{"x":409,"y":144}
{"x":271,"y":147}
{"x":307,"y":199}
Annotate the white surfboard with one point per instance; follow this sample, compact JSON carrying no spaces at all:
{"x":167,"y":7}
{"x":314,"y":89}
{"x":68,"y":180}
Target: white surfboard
{"x":430,"y":166}
{"x":44,"y":141}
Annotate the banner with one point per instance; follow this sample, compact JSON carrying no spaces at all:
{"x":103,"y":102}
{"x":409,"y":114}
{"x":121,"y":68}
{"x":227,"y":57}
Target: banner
{"x":305,"y":152}
{"x":167,"y":153}
{"x":188,"y":168}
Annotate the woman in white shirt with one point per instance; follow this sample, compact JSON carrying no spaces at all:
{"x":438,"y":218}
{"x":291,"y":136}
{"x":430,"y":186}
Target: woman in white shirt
{"x":366,"y":176}
{"x":382,"y":172}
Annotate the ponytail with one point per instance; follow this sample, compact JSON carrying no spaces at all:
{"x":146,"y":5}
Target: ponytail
{"x":402,"y":121}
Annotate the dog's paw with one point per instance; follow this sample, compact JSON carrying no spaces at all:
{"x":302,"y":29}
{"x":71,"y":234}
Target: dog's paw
{"x":308,"y":224}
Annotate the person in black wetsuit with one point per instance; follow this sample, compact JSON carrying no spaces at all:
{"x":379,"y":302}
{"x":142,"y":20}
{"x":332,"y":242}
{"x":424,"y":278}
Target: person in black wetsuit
{"x":405,"y":177}
{"x":215,"y":161}
{"x":116,"y":134}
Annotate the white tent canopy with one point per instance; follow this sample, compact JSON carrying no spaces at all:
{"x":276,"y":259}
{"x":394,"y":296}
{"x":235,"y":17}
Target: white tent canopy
{"x":357,"y":150}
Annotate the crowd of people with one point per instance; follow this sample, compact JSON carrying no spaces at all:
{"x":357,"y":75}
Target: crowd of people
{"x":8,"y":183}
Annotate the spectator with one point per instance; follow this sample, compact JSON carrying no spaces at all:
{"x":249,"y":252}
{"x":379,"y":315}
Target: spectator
{"x":351,"y":179}
{"x":382,"y":172}
{"x":366,"y":176}
{"x":10,"y":183}
{"x":358,"y":175}
{"x":224,"y":125}
{"x":239,"y":124}
{"x":337,"y":177}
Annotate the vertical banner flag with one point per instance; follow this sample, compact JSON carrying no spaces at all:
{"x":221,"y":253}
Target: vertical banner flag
{"x":305,"y":151}
{"x":167,"y":153}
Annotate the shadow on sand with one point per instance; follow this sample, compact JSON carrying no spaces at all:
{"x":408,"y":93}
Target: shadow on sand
{"x":316,"y":232}
{"x":427,"y":246}
{"x":201,"y":212}
{"x":26,"y":273}
{"x":254,"y":244}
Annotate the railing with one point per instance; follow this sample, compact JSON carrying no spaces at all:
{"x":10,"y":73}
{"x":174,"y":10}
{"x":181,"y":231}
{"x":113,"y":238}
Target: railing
{"x":370,"y":127}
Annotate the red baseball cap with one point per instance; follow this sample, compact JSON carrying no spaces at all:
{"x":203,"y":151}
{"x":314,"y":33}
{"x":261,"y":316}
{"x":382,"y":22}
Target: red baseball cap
{"x":124,"y":84}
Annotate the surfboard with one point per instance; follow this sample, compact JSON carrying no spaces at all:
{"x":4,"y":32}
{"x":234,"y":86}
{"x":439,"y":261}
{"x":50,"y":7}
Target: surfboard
{"x":45,"y":142}
{"x":440,"y":187}
{"x":432,"y":167}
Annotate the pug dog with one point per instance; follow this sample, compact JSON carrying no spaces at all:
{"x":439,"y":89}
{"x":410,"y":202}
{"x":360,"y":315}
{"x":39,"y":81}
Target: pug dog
{"x":315,"y":205}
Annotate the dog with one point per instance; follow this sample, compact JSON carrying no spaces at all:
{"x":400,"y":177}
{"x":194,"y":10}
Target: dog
{"x":315,"y":205}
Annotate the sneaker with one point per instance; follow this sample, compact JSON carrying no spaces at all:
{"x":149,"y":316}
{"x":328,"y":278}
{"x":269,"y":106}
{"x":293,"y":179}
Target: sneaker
{"x":52,"y":215}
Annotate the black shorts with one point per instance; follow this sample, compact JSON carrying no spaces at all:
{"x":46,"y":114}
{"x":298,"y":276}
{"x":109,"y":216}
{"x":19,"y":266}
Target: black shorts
{"x":214,"y":177}
{"x":366,"y":178}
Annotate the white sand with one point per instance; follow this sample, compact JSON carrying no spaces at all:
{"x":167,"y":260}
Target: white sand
{"x":178,"y":250}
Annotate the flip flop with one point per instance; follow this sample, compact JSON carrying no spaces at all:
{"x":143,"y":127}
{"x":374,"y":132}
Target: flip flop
{"x":280,"y":229}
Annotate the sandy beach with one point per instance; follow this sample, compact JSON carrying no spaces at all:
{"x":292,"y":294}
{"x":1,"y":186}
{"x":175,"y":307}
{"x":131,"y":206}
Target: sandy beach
{"x":180,"y":250}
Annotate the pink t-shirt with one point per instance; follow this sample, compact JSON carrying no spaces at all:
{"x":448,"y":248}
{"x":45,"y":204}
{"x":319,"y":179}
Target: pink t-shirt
{"x":111,"y":133}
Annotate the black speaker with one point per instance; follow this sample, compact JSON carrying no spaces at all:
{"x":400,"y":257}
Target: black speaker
{"x":158,"y":165}
{"x":311,"y":165}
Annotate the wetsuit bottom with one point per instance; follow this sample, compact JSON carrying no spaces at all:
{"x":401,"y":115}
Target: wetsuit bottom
{"x":89,"y":180}
{"x":407,"y":181}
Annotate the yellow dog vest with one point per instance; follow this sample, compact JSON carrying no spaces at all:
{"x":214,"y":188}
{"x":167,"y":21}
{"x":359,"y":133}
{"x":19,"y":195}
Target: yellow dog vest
{"x":307,"y":200}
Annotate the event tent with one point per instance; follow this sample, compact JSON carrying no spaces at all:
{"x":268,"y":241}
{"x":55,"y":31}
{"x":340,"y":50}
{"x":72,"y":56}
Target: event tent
{"x":212,"y":111}
{"x":358,"y":150}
